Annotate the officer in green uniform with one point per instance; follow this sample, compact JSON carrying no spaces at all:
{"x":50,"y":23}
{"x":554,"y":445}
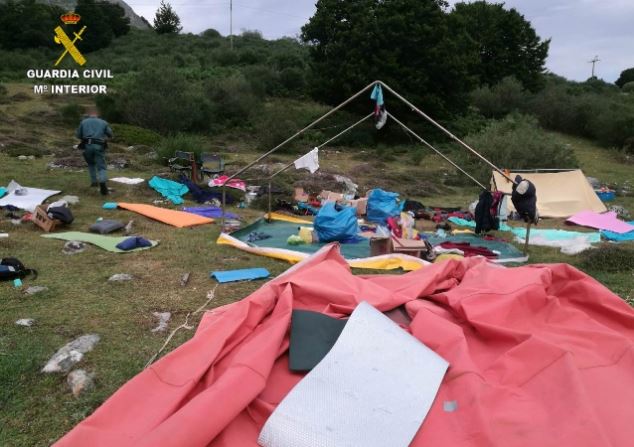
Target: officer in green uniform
{"x":93,"y":133}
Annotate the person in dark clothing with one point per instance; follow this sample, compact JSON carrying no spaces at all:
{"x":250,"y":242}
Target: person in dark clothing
{"x":94,"y":133}
{"x":485,"y":220}
{"x":524,"y":199}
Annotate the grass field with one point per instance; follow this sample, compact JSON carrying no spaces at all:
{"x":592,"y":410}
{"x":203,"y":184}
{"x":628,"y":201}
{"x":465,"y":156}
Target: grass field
{"x":37,"y":409}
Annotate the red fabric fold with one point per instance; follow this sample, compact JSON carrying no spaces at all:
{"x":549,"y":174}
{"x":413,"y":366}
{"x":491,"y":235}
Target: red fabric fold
{"x":540,"y":355}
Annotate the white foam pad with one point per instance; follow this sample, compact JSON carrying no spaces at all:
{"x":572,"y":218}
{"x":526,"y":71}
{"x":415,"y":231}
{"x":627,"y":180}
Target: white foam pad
{"x":374,"y":388}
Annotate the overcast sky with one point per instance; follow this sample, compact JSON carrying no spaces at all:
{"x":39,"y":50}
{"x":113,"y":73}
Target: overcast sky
{"x":580,"y":29}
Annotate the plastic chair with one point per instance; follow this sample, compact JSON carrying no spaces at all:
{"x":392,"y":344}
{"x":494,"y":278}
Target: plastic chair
{"x":211,"y":164}
{"x":183,"y":162}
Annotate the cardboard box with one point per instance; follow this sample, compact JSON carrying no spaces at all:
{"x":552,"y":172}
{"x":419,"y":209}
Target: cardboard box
{"x":41,"y":219}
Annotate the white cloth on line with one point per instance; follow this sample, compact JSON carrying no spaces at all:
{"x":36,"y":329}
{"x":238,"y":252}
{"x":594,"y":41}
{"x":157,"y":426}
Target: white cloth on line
{"x":27,"y":199}
{"x":309,"y":161}
{"x":373,"y":389}
{"x":127,"y":180}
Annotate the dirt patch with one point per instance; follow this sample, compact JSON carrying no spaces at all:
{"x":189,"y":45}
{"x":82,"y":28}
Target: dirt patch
{"x":67,"y":163}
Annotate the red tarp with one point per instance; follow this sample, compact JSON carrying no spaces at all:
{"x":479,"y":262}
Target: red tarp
{"x":540,"y":356}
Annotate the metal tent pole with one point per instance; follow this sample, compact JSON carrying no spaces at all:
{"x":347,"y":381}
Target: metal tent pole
{"x":528,"y":233}
{"x":318,"y":147}
{"x":298,"y":133}
{"x":419,"y":138}
{"x":270,"y":200}
{"x":447,"y":132}
{"x":326,"y":142}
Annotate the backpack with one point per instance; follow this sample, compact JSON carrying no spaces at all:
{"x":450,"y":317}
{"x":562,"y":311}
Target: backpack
{"x":12,"y":268}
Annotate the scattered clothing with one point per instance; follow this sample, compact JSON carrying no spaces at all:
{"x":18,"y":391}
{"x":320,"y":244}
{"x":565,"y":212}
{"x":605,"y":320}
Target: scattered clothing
{"x":233,"y":183}
{"x":380,"y":113}
{"x":621,"y":212}
{"x":173,"y":191}
{"x":468,"y":250}
{"x":201,"y":195}
{"x":240,"y":275}
{"x":61,"y":213}
{"x":255,"y":236}
{"x":133,"y":243}
{"x":570,"y":242}
{"x":310,"y":161}
{"x":127,"y":180}
{"x":505,"y":251}
{"x":212,"y":212}
{"x":605,"y":221}
{"x":485,"y":220}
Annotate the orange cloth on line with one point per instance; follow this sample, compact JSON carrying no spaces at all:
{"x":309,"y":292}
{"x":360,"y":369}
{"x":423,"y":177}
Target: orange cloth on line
{"x":175,"y":218}
{"x":541,"y":355}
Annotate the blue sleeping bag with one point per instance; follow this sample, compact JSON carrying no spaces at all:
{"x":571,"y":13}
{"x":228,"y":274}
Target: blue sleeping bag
{"x":336,"y":223}
{"x":381,"y":205}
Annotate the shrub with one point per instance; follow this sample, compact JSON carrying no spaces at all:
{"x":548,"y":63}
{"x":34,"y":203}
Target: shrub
{"x":71,"y":113}
{"x":417,"y":155}
{"x":276,"y":124}
{"x":593,"y":109}
{"x":167,"y":103}
{"x":516,"y":142}
{"x":628,"y":88}
{"x":109,"y":108}
{"x":225,"y":57}
{"x":263,"y":79}
{"x":501,"y":99}
{"x":134,"y":135}
{"x":180,"y":142}
{"x":231,"y":99}
{"x":211,"y":33}
{"x":251,"y":57}
{"x":293,"y":81}
{"x":608,"y":258}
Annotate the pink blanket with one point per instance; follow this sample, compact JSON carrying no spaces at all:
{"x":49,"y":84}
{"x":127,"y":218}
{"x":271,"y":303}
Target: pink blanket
{"x":604,"y":221}
{"x":233,"y":183}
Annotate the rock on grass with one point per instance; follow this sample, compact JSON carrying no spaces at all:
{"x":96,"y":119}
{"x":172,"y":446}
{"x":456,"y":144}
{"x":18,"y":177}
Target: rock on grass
{"x":80,"y":381}
{"x":70,"y":354}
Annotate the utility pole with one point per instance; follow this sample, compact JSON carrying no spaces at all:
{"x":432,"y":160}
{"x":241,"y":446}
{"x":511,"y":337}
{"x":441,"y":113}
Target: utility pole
{"x":231,"y":25}
{"x":593,"y":62}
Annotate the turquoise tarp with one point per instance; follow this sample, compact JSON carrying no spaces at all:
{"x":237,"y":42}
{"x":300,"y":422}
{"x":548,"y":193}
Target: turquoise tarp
{"x":173,"y":191}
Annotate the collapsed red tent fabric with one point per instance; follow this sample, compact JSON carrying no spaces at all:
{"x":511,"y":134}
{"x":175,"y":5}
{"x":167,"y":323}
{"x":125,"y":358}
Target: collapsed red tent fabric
{"x":539,"y":356}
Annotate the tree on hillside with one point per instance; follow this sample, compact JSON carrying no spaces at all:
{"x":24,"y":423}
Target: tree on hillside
{"x":626,"y":76}
{"x":27,"y":24}
{"x":119,"y":23}
{"x":406,"y":43}
{"x":504,"y":43}
{"x":99,"y":34}
{"x":166,"y":20}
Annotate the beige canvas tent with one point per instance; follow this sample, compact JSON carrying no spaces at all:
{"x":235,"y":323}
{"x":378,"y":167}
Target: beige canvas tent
{"x":559,"y":194}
